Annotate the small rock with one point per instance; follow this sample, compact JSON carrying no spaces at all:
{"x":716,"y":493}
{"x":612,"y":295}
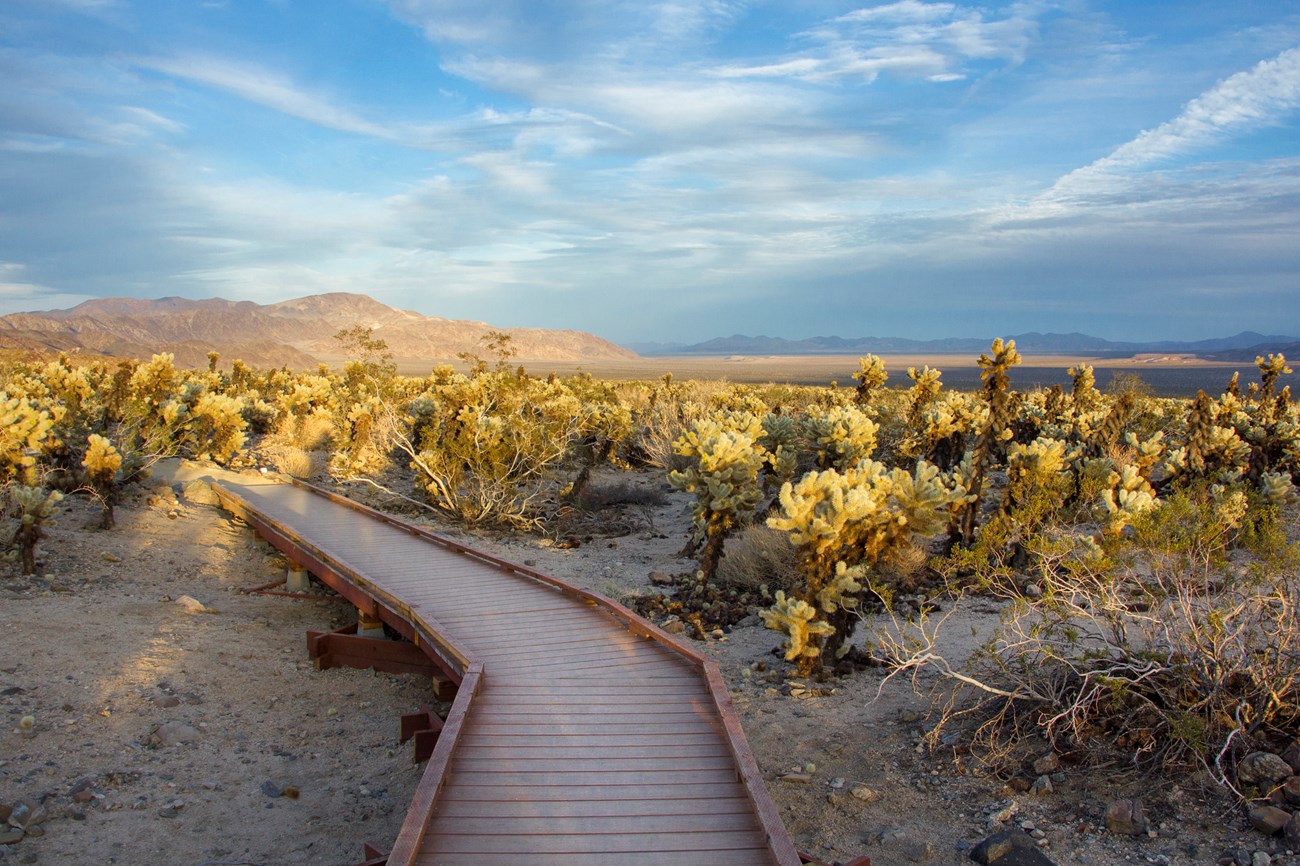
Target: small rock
{"x":271,"y":789}
{"x":1006,"y":813}
{"x":1126,"y":817}
{"x":1010,"y":847}
{"x":1261,"y":858}
{"x":1292,"y":831}
{"x":863,"y":793}
{"x":10,"y":835}
{"x":21,"y":814}
{"x":193,"y":605}
{"x":1291,"y":754}
{"x":674,"y":627}
{"x":1291,"y":790}
{"x":1269,"y":819}
{"x":1042,"y":786}
{"x":918,"y":852}
{"x":1047,"y":764}
{"x":1020,"y":784}
{"x":108,"y":556}
{"x":166,"y":701}
{"x":199,"y":492}
{"x":172,"y":734}
{"x":798,"y":778}
{"x":661,"y":578}
{"x":1263,"y":770}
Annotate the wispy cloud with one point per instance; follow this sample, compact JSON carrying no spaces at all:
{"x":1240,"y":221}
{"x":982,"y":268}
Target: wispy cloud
{"x":15,"y":294}
{"x":1239,"y":104}
{"x":910,"y":38}
{"x":265,"y":87}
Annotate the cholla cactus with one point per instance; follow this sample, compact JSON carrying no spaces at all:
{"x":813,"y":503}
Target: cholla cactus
{"x":1270,"y":370}
{"x":24,"y":433}
{"x":724,"y":479}
{"x":871,"y":375}
{"x":1086,"y":396}
{"x":1277,"y":488}
{"x":841,"y":435}
{"x":102,"y":464}
{"x":995,"y":368}
{"x":217,"y":427}
{"x":778,"y":443}
{"x":360,"y":451}
{"x":843,"y":523}
{"x":34,"y":505}
{"x":925,"y":390}
{"x":799,"y":620}
{"x":1127,"y":496}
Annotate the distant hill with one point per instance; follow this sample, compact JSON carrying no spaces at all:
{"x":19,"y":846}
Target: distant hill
{"x":298,"y":333}
{"x":1242,"y":347}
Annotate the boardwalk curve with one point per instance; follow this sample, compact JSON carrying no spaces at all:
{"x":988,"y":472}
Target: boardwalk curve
{"x":580,"y":733}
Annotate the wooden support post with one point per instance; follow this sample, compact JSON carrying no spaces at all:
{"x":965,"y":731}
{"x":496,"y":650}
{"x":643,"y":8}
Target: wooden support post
{"x":369,"y":625}
{"x":297,"y":578}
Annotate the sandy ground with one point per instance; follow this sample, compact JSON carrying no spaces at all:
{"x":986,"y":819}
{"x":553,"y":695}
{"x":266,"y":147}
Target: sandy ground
{"x":279,"y":763}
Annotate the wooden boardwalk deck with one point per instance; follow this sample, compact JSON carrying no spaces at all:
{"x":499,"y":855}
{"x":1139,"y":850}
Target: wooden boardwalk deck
{"x":580,"y":734}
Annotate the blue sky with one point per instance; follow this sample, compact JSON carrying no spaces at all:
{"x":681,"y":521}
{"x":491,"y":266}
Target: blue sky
{"x":660,"y":170}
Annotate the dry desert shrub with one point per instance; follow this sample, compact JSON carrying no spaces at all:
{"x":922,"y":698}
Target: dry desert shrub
{"x":294,"y":461}
{"x":758,"y":556}
{"x":312,"y":432}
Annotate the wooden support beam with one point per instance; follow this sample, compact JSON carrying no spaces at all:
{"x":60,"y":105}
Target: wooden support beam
{"x":344,"y":648}
{"x":422,"y":727}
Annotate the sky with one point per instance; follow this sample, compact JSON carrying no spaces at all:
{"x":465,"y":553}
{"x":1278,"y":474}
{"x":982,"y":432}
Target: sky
{"x":665,"y":170}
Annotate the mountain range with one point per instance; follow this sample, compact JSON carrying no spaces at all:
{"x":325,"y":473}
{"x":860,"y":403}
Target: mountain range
{"x":1241,"y":347}
{"x":299,"y":333}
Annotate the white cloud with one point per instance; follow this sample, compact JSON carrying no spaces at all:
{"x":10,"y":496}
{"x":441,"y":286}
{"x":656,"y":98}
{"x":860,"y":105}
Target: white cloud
{"x":932,"y":41}
{"x":267,"y":88}
{"x":19,"y":296}
{"x":1240,"y":103}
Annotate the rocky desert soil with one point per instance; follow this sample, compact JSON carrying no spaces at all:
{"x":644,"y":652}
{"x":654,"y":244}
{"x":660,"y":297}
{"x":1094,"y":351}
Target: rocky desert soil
{"x":139,"y":727}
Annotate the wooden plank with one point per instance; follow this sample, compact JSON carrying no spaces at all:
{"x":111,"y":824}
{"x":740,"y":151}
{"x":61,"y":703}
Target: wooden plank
{"x":588,"y":825}
{"x":516,"y":793}
{"x":565,"y":843}
{"x":702,"y":737}
{"x":472,"y":762}
{"x":739,"y":857}
{"x":678,"y":727}
{"x":485,"y":748}
{"x":592,"y":778}
{"x":455,"y":809}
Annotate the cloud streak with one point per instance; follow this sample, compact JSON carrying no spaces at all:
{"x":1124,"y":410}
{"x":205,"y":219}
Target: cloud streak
{"x":1239,"y":104}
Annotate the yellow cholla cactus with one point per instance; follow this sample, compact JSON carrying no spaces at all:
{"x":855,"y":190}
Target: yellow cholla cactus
{"x":1128,"y":495}
{"x":102,"y":460}
{"x":723,"y":477}
{"x":24,"y":433}
{"x":842,"y":435}
{"x":798,"y":619}
{"x":843,"y":524}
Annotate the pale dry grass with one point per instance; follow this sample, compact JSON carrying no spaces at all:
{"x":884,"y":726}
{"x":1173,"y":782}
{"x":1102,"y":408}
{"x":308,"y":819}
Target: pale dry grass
{"x":758,"y":556}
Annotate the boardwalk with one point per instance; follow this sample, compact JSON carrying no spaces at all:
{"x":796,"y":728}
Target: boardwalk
{"x":580,"y":735}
